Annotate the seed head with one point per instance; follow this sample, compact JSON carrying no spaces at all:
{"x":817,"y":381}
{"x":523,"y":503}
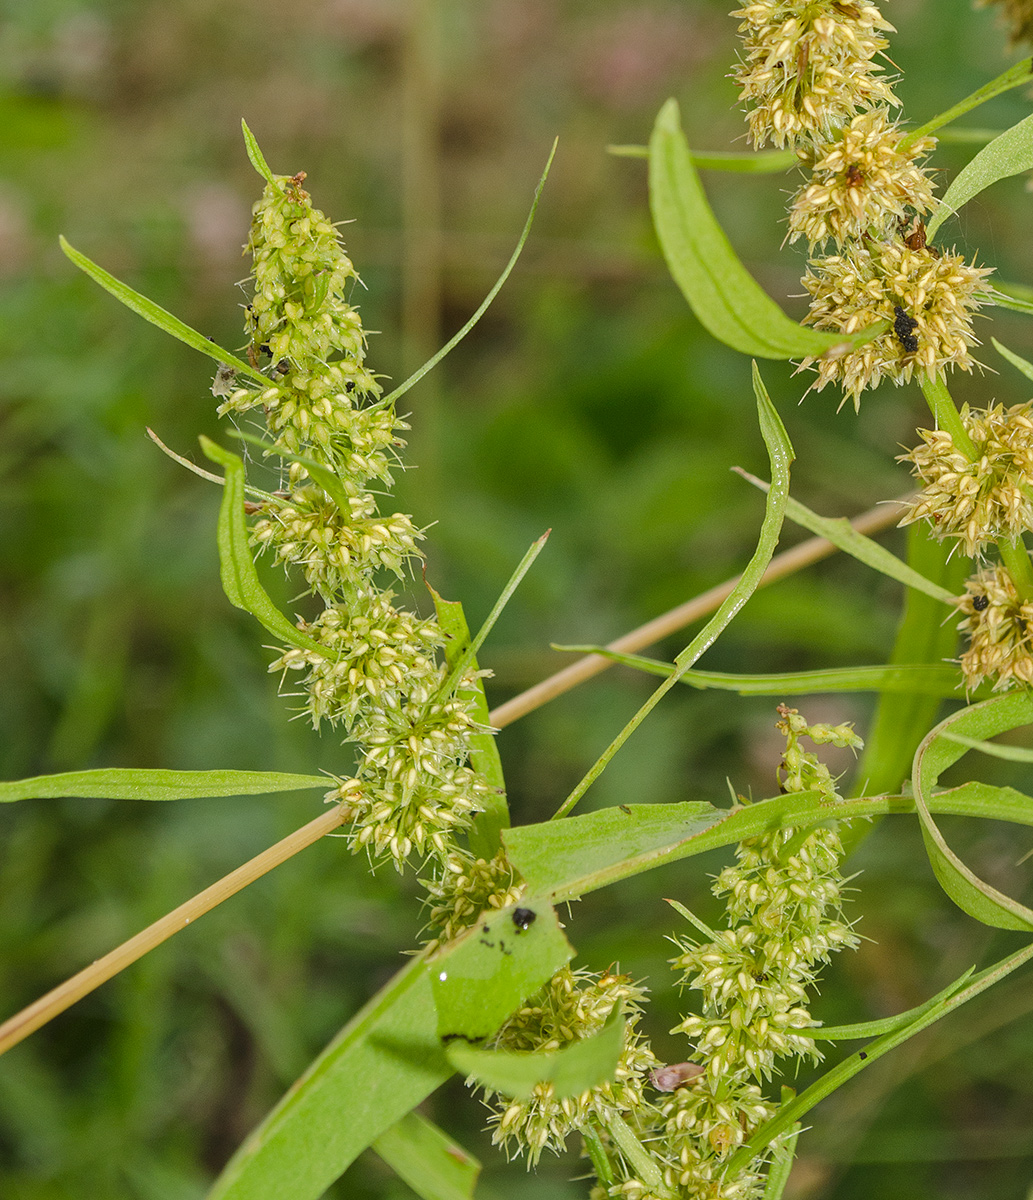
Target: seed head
{"x":998,"y":623}
{"x":977,"y":501}
{"x":862,"y":182}
{"x":807,"y":67}
{"x":863,"y":284}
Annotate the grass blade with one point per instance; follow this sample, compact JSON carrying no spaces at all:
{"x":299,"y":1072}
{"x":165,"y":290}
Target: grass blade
{"x":117,"y":783}
{"x":428,"y":1160}
{"x":157,"y":315}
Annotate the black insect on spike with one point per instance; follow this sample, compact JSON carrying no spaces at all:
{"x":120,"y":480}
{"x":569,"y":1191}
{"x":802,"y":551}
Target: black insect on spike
{"x":980,"y":603}
{"x":524,"y":918}
{"x":904,"y":327}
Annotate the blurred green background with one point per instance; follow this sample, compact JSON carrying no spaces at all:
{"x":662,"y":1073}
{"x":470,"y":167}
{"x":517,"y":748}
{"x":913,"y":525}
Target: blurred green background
{"x":588,"y":400}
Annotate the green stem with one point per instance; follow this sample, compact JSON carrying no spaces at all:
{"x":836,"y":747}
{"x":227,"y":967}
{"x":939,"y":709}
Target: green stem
{"x":1015,"y":557}
{"x":1015,"y":76}
{"x":597,"y":1153}
{"x":947,"y":416}
{"x":639,"y":1159}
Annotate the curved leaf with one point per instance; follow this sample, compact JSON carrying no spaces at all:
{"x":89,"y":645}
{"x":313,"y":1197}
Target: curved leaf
{"x":931,"y":679}
{"x":1016,"y":361}
{"x":157,"y":315}
{"x":254,"y":152}
{"x":117,"y":783}
{"x":780,"y":456}
{"x":384,"y":1062}
{"x":582,"y":1065}
{"x":1009,"y":154}
{"x":936,"y":753}
{"x":236,"y":566}
{"x":841,"y":533}
{"x":724,"y":296}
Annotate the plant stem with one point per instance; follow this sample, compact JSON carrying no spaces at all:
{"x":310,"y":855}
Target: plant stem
{"x":941,"y":405}
{"x":1015,"y":557}
{"x":1015,"y":76}
{"x":13,"y":1030}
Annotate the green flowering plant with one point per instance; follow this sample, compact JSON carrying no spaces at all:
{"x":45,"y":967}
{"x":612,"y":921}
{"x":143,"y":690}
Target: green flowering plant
{"x":558,"y":1052}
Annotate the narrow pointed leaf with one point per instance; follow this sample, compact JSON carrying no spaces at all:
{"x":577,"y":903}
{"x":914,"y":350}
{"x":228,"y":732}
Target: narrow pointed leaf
{"x":780,"y":456}
{"x":724,"y":296}
{"x":584,"y":1064}
{"x":1015,"y":76}
{"x":870,"y":1029}
{"x":993,"y":749}
{"x":430,"y":1162}
{"x":485,"y":832}
{"x":841,"y":533}
{"x":762,"y":162}
{"x":1016,"y":296}
{"x":384,"y":1062}
{"x":1009,"y":154}
{"x":255,"y":154}
{"x":971,"y":894}
{"x":1025,"y":367}
{"x":158,"y":315}
{"x":454,"y":341}
{"x":926,"y":679}
{"x":237,"y":568}
{"x":117,"y":783}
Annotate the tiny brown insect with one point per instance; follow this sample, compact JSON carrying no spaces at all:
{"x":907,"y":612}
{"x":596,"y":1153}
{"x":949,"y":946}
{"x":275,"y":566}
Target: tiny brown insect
{"x":670,"y":1078}
{"x":854,"y":176}
{"x":916,"y":239}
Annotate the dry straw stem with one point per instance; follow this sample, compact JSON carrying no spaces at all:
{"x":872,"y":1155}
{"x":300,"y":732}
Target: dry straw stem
{"x":811,"y":551}
{"x":66,"y":994}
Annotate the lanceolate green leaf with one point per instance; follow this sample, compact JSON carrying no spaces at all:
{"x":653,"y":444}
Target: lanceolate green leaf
{"x":485,"y":833}
{"x":1016,"y":75}
{"x":927,"y":679}
{"x":1016,"y":296}
{"x":994,"y":749}
{"x":157,"y":315}
{"x":131,"y":784}
{"x":841,"y":533}
{"x":563,"y":860}
{"x":972,"y":894}
{"x":1009,"y":154}
{"x":724,"y":296}
{"x":237,"y":567}
{"x":255,"y":154}
{"x":430,"y":1162}
{"x":870,"y":1029}
{"x":574,"y":1069}
{"x":763,"y":162}
{"x":384,"y":1062}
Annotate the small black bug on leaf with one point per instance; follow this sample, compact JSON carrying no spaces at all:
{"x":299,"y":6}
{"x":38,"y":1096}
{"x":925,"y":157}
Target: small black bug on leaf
{"x":980,"y":603}
{"x":524,"y":918}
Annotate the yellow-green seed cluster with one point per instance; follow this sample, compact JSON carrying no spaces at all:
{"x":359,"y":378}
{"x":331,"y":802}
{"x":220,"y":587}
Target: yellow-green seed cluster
{"x":572,"y":1005}
{"x":377,"y":670}
{"x":979,"y":499}
{"x":999,"y":624}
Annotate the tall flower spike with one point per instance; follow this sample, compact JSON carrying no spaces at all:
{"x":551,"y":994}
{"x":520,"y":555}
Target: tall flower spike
{"x":977,"y":500}
{"x":927,"y":300}
{"x":998,"y":623}
{"x":808,"y":65}
{"x":377,"y":671}
{"x":862,"y":182}
{"x":783,"y":899}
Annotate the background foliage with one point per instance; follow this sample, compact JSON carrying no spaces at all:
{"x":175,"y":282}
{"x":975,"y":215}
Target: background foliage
{"x":589,"y":400}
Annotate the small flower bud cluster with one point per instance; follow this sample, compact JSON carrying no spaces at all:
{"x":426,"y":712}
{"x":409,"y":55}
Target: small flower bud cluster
{"x":977,"y":500}
{"x":999,"y":624}
{"x":809,"y":74}
{"x":572,"y":1005}
{"x":862,"y":182}
{"x":808,"y":64}
{"x":927,"y":299}
{"x":377,"y":670}
{"x":464,"y":888}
